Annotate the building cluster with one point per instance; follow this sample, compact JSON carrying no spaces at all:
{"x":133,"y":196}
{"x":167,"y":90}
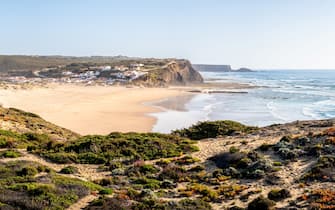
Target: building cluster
{"x":88,"y":75}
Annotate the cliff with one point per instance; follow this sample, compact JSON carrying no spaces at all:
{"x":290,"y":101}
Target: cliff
{"x":177,"y":72}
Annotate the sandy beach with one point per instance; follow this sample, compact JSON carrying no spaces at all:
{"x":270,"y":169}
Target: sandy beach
{"x":91,"y":109}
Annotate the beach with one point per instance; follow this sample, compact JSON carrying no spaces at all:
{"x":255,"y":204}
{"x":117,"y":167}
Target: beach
{"x":91,"y":109}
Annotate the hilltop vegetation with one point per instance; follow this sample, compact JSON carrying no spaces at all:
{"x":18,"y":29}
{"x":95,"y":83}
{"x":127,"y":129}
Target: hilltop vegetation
{"x":22,"y":62}
{"x":230,"y":166}
{"x":214,"y":129}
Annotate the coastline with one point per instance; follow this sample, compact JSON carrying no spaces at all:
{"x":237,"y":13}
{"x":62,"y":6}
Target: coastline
{"x":92,"y":109}
{"x":98,"y":109}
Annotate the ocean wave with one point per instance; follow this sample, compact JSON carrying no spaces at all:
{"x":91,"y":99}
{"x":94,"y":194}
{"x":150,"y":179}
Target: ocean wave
{"x":274,"y":111}
{"x":209,"y":109}
{"x":310,"y":92}
{"x":320,"y":109}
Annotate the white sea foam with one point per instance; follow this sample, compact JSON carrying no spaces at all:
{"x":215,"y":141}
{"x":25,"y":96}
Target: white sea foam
{"x":274,"y":111}
{"x":288,"y":96}
{"x":319,"y":109}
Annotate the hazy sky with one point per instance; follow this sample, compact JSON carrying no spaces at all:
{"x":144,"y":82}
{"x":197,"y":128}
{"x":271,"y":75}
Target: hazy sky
{"x":252,"y":33}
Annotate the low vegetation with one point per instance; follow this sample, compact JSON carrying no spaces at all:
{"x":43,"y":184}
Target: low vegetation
{"x":11,"y":139}
{"x":159,"y":171}
{"x":10,"y":154}
{"x":261,"y":203}
{"x":25,"y":122}
{"x":243,"y":165}
{"x":320,"y":199}
{"x":279,"y":194}
{"x":213,"y":129}
{"x":125,"y":146}
{"x":21,"y":188}
{"x":119,"y":202}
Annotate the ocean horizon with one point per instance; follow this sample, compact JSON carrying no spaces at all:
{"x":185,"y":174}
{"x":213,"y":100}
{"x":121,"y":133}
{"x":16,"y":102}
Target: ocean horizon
{"x":280,"y":96}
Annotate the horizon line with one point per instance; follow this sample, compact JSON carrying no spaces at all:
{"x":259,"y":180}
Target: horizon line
{"x":197,"y":63}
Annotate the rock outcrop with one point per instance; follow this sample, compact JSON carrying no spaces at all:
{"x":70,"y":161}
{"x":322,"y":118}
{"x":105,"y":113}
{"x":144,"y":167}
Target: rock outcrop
{"x":177,"y":72}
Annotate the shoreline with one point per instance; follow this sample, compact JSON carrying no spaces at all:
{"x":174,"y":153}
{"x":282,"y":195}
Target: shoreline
{"x":92,"y":109}
{"x":97,"y":109}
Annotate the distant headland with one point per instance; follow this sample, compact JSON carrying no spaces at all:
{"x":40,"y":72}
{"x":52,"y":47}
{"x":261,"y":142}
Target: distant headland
{"x":98,"y":70}
{"x":218,"y":68}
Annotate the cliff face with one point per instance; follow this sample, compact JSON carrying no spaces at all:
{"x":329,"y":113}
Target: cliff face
{"x":178,"y":72}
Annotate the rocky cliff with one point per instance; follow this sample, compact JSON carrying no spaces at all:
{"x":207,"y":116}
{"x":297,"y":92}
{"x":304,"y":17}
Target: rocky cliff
{"x":177,"y":72}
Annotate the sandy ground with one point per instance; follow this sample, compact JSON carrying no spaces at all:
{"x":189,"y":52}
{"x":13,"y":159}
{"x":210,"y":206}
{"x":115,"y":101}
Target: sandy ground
{"x":91,"y":109}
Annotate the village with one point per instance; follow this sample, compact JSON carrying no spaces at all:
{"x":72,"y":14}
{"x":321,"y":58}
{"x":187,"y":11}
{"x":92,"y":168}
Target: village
{"x":79,"y":73}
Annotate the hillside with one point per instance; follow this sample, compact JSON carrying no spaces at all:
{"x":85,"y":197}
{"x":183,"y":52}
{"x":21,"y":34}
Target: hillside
{"x":101,"y":70}
{"x":228,"y":166}
{"x":24,"y":122}
{"x":26,"y":62}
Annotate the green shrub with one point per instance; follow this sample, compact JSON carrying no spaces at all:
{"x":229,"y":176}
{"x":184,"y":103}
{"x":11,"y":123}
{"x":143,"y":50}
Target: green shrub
{"x":21,"y":112}
{"x":192,"y":204}
{"x":91,"y":158}
{"x":148,"y":183}
{"x":10,"y":154}
{"x":243,"y":165}
{"x":276,"y":163}
{"x":62,"y":157}
{"x":186,"y":160}
{"x":148,"y":169}
{"x":233,"y":149}
{"x":279,"y":194}
{"x":28,"y":171}
{"x":197,"y":168}
{"x":205,"y":191}
{"x":163,"y":162}
{"x":114,"y":165}
{"x":106,"y":191}
{"x":20,"y":189}
{"x":323,"y":170}
{"x":213,"y":129}
{"x":173,"y":172}
{"x":69,"y":170}
{"x":265,"y":147}
{"x":3,"y":142}
{"x":261,"y":203}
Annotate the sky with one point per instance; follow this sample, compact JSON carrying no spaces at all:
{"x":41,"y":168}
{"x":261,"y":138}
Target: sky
{"x":259,"y":34}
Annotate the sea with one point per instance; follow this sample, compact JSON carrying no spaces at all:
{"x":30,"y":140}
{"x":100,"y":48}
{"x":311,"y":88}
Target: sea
{"x":281,"y":96}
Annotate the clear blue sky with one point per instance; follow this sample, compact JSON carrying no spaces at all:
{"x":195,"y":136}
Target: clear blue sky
{"x":253,"y":33}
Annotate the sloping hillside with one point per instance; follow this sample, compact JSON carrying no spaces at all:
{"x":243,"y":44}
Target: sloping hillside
{"x":23,"y":122}
{"x":229,"y":166}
